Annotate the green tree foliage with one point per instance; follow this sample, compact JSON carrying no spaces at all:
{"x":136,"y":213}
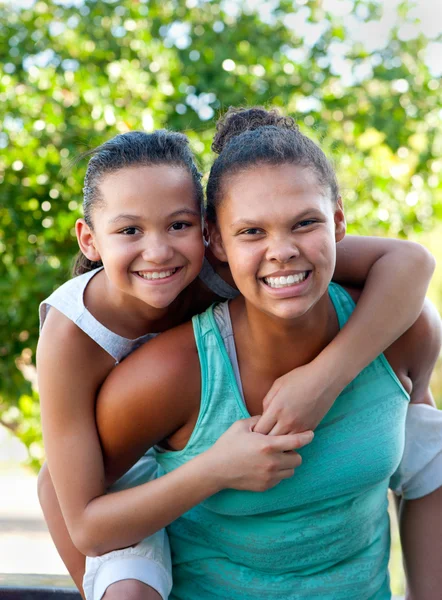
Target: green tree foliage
{"x":74,"y":74}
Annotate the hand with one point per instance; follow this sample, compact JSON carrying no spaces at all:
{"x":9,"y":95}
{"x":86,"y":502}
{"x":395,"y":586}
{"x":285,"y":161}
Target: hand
{"x":296,"y":402}
{"x":245,"y":460}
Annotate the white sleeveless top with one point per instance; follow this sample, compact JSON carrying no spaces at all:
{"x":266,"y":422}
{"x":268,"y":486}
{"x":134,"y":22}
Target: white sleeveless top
{"x":69,"y":300}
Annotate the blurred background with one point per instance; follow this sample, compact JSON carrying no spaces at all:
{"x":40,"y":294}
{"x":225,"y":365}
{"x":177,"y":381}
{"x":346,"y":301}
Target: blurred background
{"x":362,"y":77}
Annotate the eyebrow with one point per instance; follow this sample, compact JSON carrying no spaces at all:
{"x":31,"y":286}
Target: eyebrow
{"x":184,"y":211}
{"x":251,"y":223}
{"x":176,"y":213}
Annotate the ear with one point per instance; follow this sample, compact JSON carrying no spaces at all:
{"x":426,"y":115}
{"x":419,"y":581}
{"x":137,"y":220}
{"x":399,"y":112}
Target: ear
{"x":206,"y":234}
{"x":216,"y":243}
{"x":340,"y":225}
{"x":86,"y":240}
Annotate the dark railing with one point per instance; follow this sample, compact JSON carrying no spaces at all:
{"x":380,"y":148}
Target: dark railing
{"x":45,"y":587}
{"x":37,"y":587}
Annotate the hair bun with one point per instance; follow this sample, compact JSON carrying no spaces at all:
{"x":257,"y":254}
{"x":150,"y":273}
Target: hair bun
{"x":239,"y":120}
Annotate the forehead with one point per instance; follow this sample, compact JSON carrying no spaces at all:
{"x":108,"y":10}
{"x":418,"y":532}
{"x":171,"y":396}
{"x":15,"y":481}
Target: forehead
{"x":265,"y":189}
{"x":153,"y":184}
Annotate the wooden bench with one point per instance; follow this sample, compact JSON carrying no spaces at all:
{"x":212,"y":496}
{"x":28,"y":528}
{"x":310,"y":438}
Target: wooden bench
{"x":37,"y":587}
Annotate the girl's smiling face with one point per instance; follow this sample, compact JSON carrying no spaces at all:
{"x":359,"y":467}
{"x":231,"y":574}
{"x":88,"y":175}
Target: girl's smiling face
{"x":147,"y":231}
{"x":277,"y":228}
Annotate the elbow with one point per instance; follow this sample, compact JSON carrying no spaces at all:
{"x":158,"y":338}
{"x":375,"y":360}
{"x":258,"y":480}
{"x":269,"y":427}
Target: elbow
{"x":83,"y":533}
{"x":89,"y":534}
{"x":86,"y":542}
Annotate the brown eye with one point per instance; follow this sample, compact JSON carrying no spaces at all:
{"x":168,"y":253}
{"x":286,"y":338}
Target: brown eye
{"x":252,"y":231}
{"x":180,"y":226}
{"x":129,"y":231}
{"x":305,"y":223}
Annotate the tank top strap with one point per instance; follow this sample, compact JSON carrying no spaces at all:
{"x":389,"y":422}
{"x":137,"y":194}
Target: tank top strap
{"x":217,"y":380}
{"x":69,"y":300}
{"x":343,"y":303}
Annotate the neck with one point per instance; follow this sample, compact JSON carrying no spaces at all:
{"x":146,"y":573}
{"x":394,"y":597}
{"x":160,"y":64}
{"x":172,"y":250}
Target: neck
{"x":135,"y":318}
{"x":276,"y":346}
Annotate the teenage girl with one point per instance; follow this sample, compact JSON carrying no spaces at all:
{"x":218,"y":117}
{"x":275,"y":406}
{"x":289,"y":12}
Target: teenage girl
{"x":142,"y":250}
{"x":324,"y":533}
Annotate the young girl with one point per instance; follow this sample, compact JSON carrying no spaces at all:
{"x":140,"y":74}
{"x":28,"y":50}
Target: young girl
{"x":143,"y":224}
{"x":323,"y":533}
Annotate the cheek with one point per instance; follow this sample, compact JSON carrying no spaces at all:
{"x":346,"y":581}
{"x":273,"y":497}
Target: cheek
{"x":323,"y":247}
{"x":244,"y":261}
{"x":193,"y":247}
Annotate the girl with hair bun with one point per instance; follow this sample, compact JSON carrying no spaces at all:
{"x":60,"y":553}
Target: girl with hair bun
{"x":142,"y":271}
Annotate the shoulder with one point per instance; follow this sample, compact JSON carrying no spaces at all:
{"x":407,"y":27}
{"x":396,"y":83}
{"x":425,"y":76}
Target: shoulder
{"x":421,"y":342}
{"x":171,"y":351}
{"x":64,"y":344}
{"x":415,"y":353}
{"x":151,"y":395}
{"x":164,"y":373}
{"x":67,"y":298}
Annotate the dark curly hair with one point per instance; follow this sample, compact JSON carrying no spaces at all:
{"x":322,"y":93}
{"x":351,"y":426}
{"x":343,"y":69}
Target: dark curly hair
{"x":132,"y":149}
{"x":249,"y":136}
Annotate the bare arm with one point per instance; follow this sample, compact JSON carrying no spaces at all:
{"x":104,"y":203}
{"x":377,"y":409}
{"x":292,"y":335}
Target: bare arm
{"x":161,"y":402}
{"x":396,"y":276}
{"x":151,"y":395}
{"x":420,"y":519}
{"x":421,"y":538}
{"x":69,"y":377}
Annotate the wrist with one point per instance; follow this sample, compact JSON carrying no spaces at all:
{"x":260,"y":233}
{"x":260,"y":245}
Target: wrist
{"x":332,"y":371}
{"x":213,"y":470}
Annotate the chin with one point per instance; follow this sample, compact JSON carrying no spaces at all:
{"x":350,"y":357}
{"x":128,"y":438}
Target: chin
{"x":289,"y":315}
{"x":159,"y":302}
{"x":293,"y":309}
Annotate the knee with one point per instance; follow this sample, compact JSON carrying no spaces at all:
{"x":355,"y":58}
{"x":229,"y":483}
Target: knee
{"x":130,"y":589}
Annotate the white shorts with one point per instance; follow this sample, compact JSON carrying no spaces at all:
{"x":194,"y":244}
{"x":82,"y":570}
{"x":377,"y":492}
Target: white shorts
{"x":148,"y":562}
{"x":420,"y":470}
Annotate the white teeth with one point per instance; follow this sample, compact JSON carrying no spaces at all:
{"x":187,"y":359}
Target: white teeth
{"x":278,"y":282}
{"x":156,"y":274}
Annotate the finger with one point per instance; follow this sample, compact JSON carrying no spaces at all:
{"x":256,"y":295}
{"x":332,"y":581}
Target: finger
{"x":270,"y":396}
{"x":291,"y":441}
{"x":265,"y":423}
{"x":249,"y":423}
{"x":286,"y":473}
{"x":290,"y":460}
{"x":281,"y":429}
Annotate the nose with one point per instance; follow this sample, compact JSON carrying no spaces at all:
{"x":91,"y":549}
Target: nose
{"x":282,"y":250}
{"x":157,"y":250}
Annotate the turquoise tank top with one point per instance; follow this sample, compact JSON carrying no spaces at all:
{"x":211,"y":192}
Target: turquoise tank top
{"x":322,"y":534}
